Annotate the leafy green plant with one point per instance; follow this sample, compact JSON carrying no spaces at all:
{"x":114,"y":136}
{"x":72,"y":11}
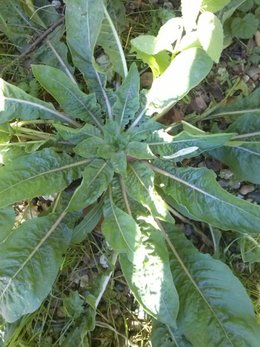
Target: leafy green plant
{"x":127,"y":169}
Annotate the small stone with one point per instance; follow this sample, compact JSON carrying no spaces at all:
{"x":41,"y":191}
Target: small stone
{"x":146,"y":79}
{"x":56,"y":3}
{"x":225,"y":174}
{"x":104,"y":262}
{"x":235,"y":185}
{"x":247,"y":188}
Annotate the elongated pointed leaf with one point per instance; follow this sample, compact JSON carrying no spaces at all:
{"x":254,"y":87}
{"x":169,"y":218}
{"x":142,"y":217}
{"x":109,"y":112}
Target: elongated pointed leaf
{"x":215,"y":309}
{"x":127,"y":103}
{"x":29,"y":263}
{"x":7,"y":219}
{"x":15,"y":103}
{"x":149,"y":277}
{"x":186,"y":71}
{"x":211,"y":36}
{"x":243,"y":159}
{"x":88,"y":224}
{"x":197,"y":191}
{"x":139,"y":183}
{"x":40,"y":173}
{"x":109,"y":39}
{"x":120,"y":229}
{"x":96,"y":178}
{"x":163,"y":144}
{"x":83,"y":24}
{"x":69,"y":96}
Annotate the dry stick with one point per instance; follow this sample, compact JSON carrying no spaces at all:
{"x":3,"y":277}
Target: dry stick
{"x":36,"y":43}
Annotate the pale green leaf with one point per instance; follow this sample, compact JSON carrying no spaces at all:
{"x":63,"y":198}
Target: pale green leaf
{"x":211,"y":36}
{"x":96,"y":178}
{"x":75,"y":136}
{"x":119,"y":162}
{"x":29,"y":263}
{"x":139,"y":183}
{"x":89,"y":148}
{"x":40,"y":173}
{"x":187,"y":70}
{"x":198,"y":193}
{"x":170,"y":32}
{"x":73,"y":101}
{"x":190,"y":11}
{"x":213,"y":5}
{"x":7,"y":219}
{"x":158,"y":63}
{"x":148,"y":274}
{"x":15,"y":103}
{"x":127,"y":98}
{"x":209,"y":294}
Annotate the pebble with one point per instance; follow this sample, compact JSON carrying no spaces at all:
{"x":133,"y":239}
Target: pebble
{"x":225,"y":174}
{"x":246,"y":188}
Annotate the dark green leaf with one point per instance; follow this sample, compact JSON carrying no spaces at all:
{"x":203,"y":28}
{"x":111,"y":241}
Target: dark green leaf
{"x":77,"y":135}
{"x":89,"y":148}
{"x":127,"y":103}
{"x":244,"y":28}
{"x":209,"y":295}
{"x":29,"y":263}
{"x":197,"y":191}
{"x":243,"y":158}
{"x":69,"y":96}
{"x":7,"y":219}
{"x":40,"y":173}
{"x":96,"y":178}
{"x":88,"y":224}
{"x":139,"y":183}
{"x":15,"y":103}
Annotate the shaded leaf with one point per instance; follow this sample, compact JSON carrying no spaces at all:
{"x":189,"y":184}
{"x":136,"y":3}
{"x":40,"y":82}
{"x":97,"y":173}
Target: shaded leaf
{"x":7,"y":219}
{"x":29,"y":263}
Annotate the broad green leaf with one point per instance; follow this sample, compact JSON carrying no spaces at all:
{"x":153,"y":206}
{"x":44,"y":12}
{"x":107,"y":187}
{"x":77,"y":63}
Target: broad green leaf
{"x":147,"y":44}
{"x":158,"y":63}
{"x":246,"y":27}
{"x":249,"y":123}
{"x":211,"y":36}
{"x":139,"y":150}
{"x":88,"y":224}
{"x":139,"y":183}
{"x":190,"y":11}
{"x":119,"y":162}
{"x":229,"y":9}
{"x":120,"y":229}
{"x":69,"y":96}
{"x":243,"y":158}
{"x":187,"y":70}
{"x":83,"y":24}
{"x":40,"y":173}
{"x":197,"y":191}
{"x":15,"y":103}
{"x":7,"y":219}
{"x":96,"y":178}
{"x":163,"y":337}
{"x":77,"y":135}
{"x":148,"y":274}
{"x":109,"y":40}
{"x":215,"y":309}
{"x":88,"y":148}
{"x":213,"y":5}
{"x":127,"y":102}
{"x":29,"y":263}
{"x":165,"y":145}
